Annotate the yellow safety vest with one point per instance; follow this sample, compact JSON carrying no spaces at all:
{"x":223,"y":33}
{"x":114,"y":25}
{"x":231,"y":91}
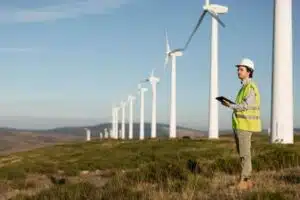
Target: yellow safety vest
{"x":248,"y":120}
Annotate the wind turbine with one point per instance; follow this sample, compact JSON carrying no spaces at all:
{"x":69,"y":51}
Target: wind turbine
{"x":173,"y":54}
{"x":153,"y":81}
{"x":214,"y":10}
{"x":282,"y":127}
{"x":130,"y":101}
{"x":116,"y":131}
{"x":111,"y":133}
{"x":142,"y":110}
{"x":123,"y":107}
{"x":88,"y":134}
{"x":113,"y":123}
{"x":106,"y":133}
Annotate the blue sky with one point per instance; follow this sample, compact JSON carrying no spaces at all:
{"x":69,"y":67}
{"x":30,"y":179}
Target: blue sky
{"x":66,"y":62}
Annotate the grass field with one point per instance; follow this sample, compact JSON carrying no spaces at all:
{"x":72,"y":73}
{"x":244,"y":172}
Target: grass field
{"x":160,"y":169}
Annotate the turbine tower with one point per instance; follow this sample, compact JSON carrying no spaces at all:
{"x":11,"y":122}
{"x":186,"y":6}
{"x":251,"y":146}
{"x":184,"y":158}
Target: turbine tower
{"x":173,"y":54}
{"x":123,"y":107}
{"x":213,"y":132}
{"x":113,"y":123}
{"x":282,"y":127}
{"x":131,"y":99}
{"x":88,"y":134}
{"x":106,"y":133}
{"x":116,"y":131}
{"x":142,"y":110}
{"x":153,"y":81}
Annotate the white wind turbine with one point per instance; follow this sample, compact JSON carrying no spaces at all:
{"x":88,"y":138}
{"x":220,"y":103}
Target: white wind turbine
{"x":116,"y":130}
{"x":106,"y":133}
{"x":173,"y":54}
{"x":282,"y":127}
{"x":131,"y":99}
{"x":214,"y":10}
{"x":123,"y":107}
{"x":113,"y":123}
{"x":142,"y":110}
{"x":88,"y":134}
{"x":153,"y":81}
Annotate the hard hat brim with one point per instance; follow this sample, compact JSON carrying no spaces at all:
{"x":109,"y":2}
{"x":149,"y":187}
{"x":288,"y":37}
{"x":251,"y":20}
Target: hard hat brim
{"x":239,"y":65}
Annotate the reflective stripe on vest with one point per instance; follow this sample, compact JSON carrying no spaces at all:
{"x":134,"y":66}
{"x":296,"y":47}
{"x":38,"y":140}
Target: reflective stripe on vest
{"x":253,"y":108}
{"x":247,"y":117}
{"x":248,"y":120}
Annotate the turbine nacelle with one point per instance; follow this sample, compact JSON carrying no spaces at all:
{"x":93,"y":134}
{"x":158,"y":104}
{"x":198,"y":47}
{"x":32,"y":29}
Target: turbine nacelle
{"x":116,"y":109}
{"x":215,"y":8}
{"x":131,"y":98}
{"x":176,"y":52}
{"x":141,"y":89}
{"x":152,"y":79}
{"x":123,"y":104}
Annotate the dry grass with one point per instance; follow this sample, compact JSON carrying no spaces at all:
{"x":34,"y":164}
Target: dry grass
{"x":161,"y":169}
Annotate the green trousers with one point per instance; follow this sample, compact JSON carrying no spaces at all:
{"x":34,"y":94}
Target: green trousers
{"x":243,"y":145}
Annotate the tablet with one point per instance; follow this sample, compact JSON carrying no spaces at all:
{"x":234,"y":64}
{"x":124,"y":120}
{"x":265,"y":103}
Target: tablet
{"x":221,"y":99}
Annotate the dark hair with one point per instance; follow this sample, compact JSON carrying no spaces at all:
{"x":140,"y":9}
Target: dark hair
{"x":251,"y":72}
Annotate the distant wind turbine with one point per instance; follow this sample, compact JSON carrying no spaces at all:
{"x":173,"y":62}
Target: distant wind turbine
{"x":123,"y":107}
{"x":88,"y":134}
{"x":173,"y":54}
{"x":106,"y":133}
{"x":153,"y":81}
{"x":113,"y":123}
{"x":142,"y":110}
{"x":116,"y":131}
{"x":131,"y":100}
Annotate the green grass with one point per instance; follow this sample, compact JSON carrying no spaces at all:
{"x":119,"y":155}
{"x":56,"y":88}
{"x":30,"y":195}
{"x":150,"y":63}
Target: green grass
{"x":156,"y":170}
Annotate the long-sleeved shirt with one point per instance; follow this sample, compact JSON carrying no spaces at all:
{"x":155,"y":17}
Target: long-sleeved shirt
{"x":247,"y":101}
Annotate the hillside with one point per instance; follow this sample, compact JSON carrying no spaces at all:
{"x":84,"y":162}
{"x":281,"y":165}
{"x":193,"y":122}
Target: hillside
{"x":14,"y":140}
{"x":162,"y":130}
{"x":150,"y":169}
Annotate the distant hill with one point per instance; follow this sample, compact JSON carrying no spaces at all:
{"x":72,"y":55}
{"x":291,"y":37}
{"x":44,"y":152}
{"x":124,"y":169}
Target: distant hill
{"x":162,"y":130}
{"x":15,"y":140}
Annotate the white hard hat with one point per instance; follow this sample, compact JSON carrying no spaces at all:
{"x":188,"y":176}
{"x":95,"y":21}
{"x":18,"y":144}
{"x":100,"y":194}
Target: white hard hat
{"x":247,"y":63}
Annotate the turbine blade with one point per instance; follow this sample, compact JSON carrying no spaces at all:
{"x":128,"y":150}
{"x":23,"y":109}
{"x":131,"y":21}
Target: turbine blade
{"x":168,"y":49}
{"x":214,"y":15}
{"x":144,"y":81}
{"x":195,"y":29}
{"x":166,"y":62}
{"x":153,"y":70}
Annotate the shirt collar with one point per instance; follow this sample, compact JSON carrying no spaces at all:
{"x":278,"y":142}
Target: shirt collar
{"x":246,"y":81}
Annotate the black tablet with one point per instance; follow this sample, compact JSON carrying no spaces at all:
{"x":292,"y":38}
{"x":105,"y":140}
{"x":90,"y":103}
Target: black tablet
{"x":221,"y":99}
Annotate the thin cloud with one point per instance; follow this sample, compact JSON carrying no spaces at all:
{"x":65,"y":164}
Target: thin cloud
{"x":72,"y":9}
{"x":15,"y":50}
